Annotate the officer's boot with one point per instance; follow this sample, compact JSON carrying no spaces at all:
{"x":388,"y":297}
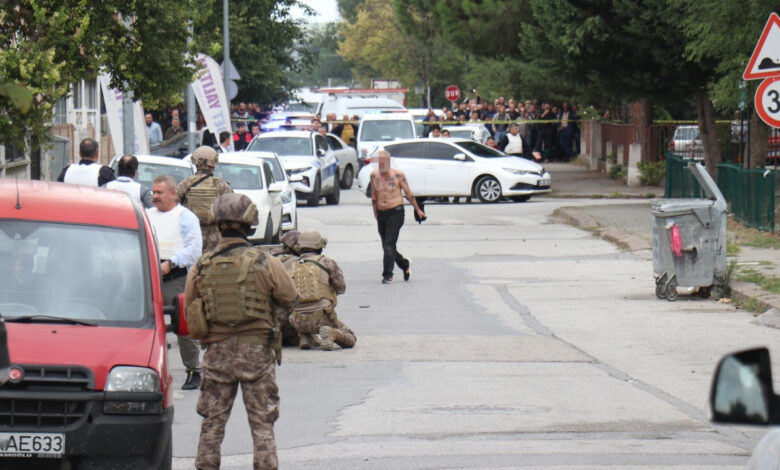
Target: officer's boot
{"x":329,"y":338}
{"x":305,"y":342}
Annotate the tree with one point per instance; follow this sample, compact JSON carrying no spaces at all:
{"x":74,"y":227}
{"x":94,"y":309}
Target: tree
{"x":323,"y":44}
{"x":266,"y":44}
{"x":348,"y":9}
{"x":378,"y":44}
{"x":47,"y":46}
{"x":724,"y":33}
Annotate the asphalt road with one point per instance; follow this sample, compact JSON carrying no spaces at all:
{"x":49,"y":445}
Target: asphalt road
{"x":518,"y":343}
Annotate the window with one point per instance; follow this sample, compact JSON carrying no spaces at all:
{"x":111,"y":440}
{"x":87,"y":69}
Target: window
{"x":441,"y":151}
{"x":283,"y":146}
{"x":269,"y":176}
{"x":147,"y":172}
{"x":240,"y":176}
{"x":321,"y":143}
{"x":48,"y":269}
{"x":334,"y":143}
{"x":386,"y":131}
{"x":479,"y":150}
{"x":276,"y":169}
{"x":412,"y":150}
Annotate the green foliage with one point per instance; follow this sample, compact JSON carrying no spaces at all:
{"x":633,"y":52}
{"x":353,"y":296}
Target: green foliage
{"x":348,"y":9}
{"x":723,"y":34}
{"x":46,"y":46}
{"x":618,"y":172}
{"x":266,"y":46}
{"x":612,"y":157}
{"x":322,"y":44}
{"x":651,"y":173}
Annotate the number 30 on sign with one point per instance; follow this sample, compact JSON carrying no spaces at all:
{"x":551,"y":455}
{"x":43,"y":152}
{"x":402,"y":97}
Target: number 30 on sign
{"x":768,"y":101}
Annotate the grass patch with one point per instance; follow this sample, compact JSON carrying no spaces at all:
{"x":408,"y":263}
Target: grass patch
{"x":732,"y":249}
{"x":768,"y":283}
{"x":746,"y":236}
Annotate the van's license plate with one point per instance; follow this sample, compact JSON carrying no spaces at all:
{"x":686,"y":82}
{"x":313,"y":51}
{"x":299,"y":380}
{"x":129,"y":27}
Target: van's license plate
{"x":32,"y":444}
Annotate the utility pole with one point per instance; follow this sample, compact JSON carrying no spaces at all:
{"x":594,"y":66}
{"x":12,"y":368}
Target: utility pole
{"x":226,"y":46}
{"x":191,"y":125}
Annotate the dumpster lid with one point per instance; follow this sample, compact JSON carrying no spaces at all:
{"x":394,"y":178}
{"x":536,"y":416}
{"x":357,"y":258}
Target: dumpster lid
{"x":708,"y":185}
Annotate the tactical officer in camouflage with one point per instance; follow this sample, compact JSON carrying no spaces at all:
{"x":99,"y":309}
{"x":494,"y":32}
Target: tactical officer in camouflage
{"x":287,"y":255}
{"x":198,"y":192}
{"x":229,"y":300}
{"x":319,"y":281}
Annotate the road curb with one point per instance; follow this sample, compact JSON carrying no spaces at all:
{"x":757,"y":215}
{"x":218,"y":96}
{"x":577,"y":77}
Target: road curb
{"x":584,"y":221}
{"x":746,"y":294}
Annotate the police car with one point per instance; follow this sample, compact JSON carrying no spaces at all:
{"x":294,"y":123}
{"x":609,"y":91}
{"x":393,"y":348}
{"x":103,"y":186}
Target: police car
{"x":305,"y":154}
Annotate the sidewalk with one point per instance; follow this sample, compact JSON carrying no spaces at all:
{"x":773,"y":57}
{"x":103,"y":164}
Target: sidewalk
{"x":629,"y":225}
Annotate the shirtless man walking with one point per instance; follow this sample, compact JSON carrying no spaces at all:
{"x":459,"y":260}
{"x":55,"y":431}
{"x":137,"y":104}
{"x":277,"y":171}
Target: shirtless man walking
{"x":388,"y":202}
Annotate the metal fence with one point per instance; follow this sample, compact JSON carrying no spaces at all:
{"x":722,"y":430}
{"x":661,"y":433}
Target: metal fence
{"x":750,"y":192}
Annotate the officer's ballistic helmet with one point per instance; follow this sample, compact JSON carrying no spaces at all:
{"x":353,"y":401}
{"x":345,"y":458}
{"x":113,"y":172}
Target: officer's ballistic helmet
{"x":312,"y":241}
{"x":232,"y":208}
{"x":205,"y":157}
{"x":290,"y":239}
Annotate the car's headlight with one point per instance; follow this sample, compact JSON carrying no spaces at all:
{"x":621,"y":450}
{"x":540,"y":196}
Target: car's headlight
{"x":132,"y":379}
{"x":132,"y":390}
{"x":286,"y":198}
{"x":517,"y":172}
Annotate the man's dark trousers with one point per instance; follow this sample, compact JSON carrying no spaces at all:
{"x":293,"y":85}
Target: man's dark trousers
{"x":389,"y":223}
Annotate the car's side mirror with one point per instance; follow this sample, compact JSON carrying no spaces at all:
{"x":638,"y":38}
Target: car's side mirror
{"x":742,"y":390}
{"x":178,"y":320}
{"x":296,"y":178}
{"x":320,"y":152}
{"x":275,"y":187}
{"x":460,"y":156}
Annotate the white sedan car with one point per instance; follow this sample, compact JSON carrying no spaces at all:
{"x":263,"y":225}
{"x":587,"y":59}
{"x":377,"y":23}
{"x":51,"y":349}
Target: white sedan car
{"x":289,"y":202}
{"x":254,"y":178}
{"x":308,"y":155}
{"x":436,"y":167}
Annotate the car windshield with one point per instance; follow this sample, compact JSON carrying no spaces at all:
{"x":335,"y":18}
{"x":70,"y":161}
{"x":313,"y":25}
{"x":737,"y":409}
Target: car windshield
{"x":283,"y":146}
{"x":460,"y":133}
{"x":147,"y":172}
{"x":386,"y":130}
{"x":276,"y":169}
{"x":73,"y":272}
{"x":479,"y":150}
{"x":686,"y":133}
{"x":240,"y":176}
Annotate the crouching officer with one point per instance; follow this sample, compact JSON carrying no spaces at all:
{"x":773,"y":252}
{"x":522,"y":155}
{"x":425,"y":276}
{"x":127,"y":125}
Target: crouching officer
{"x":319,"y":281}
{"x":287,"y":255}
{"x":229,"y":297}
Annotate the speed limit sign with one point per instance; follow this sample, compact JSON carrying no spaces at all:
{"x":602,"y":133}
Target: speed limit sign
{"x":768,"y":101}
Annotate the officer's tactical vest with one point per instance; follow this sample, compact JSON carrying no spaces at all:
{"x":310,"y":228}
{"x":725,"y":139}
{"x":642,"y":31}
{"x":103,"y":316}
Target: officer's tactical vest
{"x":200,"y":196}
{"x":311,"y":280}
{"x":228,"y":288}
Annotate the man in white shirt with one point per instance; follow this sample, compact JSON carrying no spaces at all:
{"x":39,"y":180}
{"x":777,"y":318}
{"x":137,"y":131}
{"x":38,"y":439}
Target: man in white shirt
{"x":512,"y":143}
{"x":180,"y":245}
{"x":88,"y":171}
{"x":127,"y":167}
{"x":153,"y":130}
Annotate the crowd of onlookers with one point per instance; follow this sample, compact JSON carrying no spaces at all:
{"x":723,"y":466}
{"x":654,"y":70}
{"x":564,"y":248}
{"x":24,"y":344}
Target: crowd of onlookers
{"x":527,"y":128}
{"x":531,"y":129}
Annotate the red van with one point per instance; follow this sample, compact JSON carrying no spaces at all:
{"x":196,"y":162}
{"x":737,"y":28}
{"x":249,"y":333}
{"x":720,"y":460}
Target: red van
{"x":80,"y":292}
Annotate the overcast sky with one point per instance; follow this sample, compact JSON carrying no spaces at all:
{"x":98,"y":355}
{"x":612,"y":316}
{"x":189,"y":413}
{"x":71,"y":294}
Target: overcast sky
{"x":327,"y":11}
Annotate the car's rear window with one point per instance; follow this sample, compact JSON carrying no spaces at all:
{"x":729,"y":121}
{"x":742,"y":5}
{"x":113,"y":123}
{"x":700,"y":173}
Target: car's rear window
{"x":384,"y":131}
{"x":147,"y":172}
{"x":77,"y":272}
{"x":240,"y":176}
{"x":283,"y":146}
{"x":479,"y":150}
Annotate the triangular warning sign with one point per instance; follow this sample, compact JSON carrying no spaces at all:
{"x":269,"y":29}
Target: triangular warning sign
{"x":765,"y":61}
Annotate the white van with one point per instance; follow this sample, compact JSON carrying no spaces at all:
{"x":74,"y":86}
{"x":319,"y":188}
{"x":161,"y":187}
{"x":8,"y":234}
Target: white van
{"x":377,"y":129}
{"x":341,"y":105}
